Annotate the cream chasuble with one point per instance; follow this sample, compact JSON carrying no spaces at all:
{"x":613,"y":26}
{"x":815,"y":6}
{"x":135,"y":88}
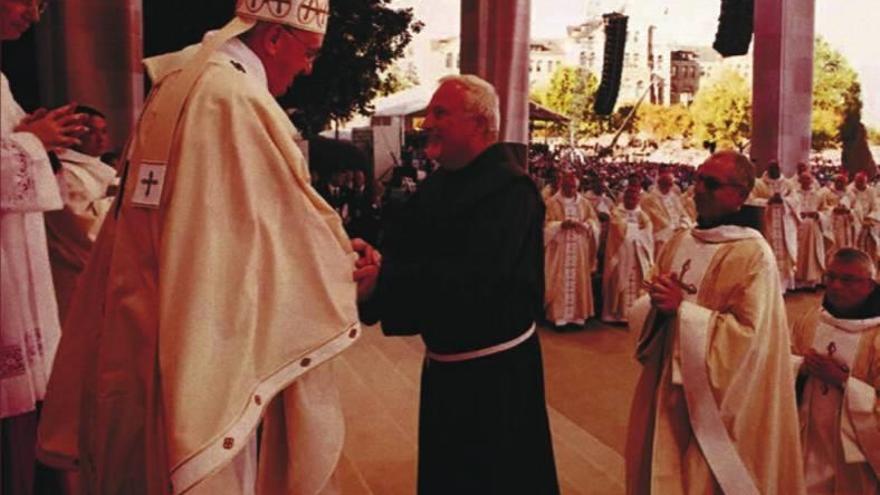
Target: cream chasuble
{"x":629,"y":256}
{"x":219,"y":285}
{"x":570,"y":259}
{"x":839,"y":219}
{"x":780,"y":225}
{"x":667,"y":213}
{"x":840,"y":430}
{"x":812,"y":239}
{"x":713,"y":412}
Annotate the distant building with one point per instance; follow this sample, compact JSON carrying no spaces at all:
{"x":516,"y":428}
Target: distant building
{"x":545,"y":56}
{"x":684,"y":77}
{"x":679,"y":71}
{"x":642,"y":56}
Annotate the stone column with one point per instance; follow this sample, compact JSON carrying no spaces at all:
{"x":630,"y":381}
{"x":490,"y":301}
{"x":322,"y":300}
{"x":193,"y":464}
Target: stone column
{"x":90,"y":52}
{"x":495,"y":47}
{"x":782,"y":82}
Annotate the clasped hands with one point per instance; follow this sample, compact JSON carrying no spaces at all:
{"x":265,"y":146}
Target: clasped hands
{"x":366,"y":268}
{"x":825,"y":368}
{"x":56,"y":129}
{"x":666,"y":292}
{"x":571,"y":224}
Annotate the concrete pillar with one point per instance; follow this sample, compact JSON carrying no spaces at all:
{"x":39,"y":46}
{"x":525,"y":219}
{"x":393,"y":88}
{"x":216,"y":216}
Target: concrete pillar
{"x":90,"y":52}
{"x":495,"y":47}
{"x":782,"y":82}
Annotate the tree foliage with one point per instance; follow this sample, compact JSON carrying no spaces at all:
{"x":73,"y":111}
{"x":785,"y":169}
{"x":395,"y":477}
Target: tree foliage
{"x":665,"y":122}
{"x":364,"y":38}
{"x":572,"y":92}
{"x":398,"y":78}
{"x":837,"y":101}
{"x":722,"y":112}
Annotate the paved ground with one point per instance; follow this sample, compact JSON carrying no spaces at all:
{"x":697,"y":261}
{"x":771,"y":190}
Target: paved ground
{"x":589,"y":374}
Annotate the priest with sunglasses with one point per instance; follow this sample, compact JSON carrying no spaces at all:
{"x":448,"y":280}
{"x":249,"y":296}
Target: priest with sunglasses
{"x":714,"y":410}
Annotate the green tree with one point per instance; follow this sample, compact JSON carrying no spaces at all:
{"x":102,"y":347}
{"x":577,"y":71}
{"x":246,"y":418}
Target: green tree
{"x":874,"y":136}
{"x":722,"y":111}
{"x":397,"y":78}
{"x":571,"y":92}
{"x":837,"y":101}
{"x":363,"y":39}
{"x":665,"y":122}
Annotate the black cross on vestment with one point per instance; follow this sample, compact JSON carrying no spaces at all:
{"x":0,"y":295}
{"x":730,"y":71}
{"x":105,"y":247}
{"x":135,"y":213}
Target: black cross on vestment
{"x":150,"y":181}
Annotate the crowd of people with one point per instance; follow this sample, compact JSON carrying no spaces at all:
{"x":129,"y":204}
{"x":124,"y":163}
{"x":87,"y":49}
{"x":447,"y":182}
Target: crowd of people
{"x":201,"y":292}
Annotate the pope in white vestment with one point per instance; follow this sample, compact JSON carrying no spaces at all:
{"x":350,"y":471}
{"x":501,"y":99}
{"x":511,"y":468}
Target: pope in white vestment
{"x":218,"y":288}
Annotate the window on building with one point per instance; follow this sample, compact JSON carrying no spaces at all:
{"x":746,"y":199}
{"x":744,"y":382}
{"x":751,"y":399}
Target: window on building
{"x":674,"y":71}
{"x":583,"y":59}
{"x":449,"y":60}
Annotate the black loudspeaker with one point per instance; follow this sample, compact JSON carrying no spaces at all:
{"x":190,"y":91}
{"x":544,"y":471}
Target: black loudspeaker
{"x":735,"y":25}
{"x":612,"y":67}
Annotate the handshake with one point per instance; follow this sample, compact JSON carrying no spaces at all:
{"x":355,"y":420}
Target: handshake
{"x":366,"y":268}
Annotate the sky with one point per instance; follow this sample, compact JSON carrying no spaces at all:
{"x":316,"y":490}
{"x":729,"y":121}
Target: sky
{"x":846,"y":24}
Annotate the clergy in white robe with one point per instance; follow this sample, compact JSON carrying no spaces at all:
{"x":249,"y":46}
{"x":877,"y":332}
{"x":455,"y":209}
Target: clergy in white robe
{"x":866,"y":206}
{"x":773,"y":191}
{"x":72,"y":230}
{"x":714,"y":410}
{"x":838,"y":216}
{"x":599,"y":198}
{"x":571,"y":237}
{"x":812,"y":236}
{"x":666,"y":209}
{"x":836,"y":352}
{"x":29,"y":327}
{"x":629,"y":256}
{"x":219,"y":287}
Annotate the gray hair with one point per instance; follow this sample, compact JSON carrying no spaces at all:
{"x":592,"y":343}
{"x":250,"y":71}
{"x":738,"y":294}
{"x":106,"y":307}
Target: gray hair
{"x":480,"y":98}
{"x":849,"y":255}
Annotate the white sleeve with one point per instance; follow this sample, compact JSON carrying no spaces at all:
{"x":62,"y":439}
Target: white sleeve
{"x":860,"y":431}
{"x":27,"y":183}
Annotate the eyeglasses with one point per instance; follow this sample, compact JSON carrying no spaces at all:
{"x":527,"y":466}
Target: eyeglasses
{"x":713,"y":184}
{"x":311,"y":53}
{"x":844,"y":279}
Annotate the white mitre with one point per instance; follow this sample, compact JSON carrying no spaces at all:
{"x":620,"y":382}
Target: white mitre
{"x":308,"y":15}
